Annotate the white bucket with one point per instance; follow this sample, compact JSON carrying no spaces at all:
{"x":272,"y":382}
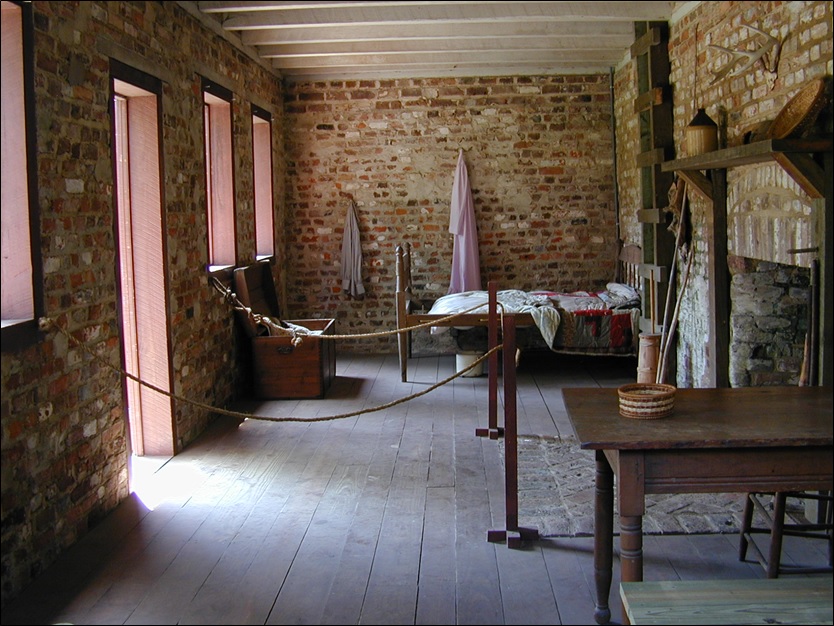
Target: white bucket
{"x":465,"y":359}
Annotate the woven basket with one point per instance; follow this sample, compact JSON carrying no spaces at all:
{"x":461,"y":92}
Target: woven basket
{"x":800,"y":112}
{"x":646,"y":401}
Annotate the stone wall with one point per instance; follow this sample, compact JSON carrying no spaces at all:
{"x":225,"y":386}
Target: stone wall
{"x":65,"y":461}
{"x":769,"y":322}
{"x":539,"y":154}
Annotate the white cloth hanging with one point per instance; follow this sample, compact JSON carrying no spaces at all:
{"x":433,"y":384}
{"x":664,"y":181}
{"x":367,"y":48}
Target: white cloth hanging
{"x":351,"y":272}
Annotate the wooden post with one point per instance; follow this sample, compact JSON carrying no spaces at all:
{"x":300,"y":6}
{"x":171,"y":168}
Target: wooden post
{"x":492,"y":431}
{"x":520,"y":535}
{"x":510,"y":425}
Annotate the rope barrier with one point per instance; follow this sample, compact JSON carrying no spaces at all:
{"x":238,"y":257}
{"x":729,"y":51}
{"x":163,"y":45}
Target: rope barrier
{"x":511,"y":486}
{"x":45,"y":323}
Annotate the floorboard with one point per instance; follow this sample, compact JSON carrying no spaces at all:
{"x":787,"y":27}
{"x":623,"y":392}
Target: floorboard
{"x":568,"y":560}
{"x":376,"y":518}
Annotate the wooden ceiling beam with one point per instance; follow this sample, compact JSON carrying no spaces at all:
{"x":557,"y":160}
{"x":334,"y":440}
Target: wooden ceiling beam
{"x":619,"y":34}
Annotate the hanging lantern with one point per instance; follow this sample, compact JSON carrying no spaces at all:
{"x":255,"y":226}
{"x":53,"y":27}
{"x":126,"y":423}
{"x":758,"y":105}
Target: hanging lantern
{"x":701,"y":134}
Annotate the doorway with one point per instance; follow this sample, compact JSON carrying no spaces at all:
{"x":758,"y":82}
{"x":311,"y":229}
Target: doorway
{"x":141,"y":264}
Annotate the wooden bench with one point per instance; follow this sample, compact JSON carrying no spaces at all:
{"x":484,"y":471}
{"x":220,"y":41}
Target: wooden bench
{"x":806,"y":600}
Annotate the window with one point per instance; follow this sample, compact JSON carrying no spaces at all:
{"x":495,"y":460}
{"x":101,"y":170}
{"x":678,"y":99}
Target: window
{"x":262,"y":175}
{"x":22,"y":291}
{"x":220,"y":192}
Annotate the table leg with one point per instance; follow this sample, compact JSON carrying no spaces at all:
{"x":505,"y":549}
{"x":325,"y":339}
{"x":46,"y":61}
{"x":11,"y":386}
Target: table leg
{"x":631,"y":548}
{"x":631,"y":494}
{"x":603,"y":536}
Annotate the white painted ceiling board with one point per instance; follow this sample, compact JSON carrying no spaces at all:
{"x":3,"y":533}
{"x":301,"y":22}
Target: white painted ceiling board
{"x":369,"y":40}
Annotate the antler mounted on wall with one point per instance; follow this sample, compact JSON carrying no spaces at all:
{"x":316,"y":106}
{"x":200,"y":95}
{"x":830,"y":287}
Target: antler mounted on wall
{"x":767,"y":53}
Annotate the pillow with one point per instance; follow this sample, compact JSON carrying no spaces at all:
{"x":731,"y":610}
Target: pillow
{"x":619,"y":295}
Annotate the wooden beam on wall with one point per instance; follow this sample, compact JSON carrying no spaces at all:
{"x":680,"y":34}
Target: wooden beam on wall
{"x":718,"y":278}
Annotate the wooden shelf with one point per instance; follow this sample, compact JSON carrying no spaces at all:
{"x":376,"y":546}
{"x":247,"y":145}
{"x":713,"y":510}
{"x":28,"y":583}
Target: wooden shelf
{"x":794,"y":155}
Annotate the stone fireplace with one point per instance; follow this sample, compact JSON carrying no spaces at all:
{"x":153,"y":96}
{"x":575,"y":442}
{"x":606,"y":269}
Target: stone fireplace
{"x":772,"y":242}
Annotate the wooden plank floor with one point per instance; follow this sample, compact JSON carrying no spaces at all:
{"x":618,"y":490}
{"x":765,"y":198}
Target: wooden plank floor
{"x":379,"y":518}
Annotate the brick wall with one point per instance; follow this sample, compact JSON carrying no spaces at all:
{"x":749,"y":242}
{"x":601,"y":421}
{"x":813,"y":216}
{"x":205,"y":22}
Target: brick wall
{"x":64,"y":462}
{"x":539,"y":154}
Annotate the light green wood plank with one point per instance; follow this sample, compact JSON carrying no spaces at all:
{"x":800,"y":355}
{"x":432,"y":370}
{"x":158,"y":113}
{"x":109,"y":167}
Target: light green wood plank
{"x":760,"y":601}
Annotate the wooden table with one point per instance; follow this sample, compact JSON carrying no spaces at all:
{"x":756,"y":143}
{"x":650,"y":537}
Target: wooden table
{"x":716,"y":441}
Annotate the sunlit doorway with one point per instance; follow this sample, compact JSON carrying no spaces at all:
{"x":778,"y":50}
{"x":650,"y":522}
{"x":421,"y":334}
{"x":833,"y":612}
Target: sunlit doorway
{"x":141,"y":267}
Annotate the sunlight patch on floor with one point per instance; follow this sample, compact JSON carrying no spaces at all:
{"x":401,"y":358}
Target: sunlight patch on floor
{"x":154,"y":480}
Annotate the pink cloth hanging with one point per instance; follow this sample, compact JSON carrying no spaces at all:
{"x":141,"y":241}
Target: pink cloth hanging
{"x":466,"y":270}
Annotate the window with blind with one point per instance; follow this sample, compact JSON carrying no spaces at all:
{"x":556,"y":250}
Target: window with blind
{"x":22,"y":291}
{"x":262,"y":174}
{"x":220,"y":192}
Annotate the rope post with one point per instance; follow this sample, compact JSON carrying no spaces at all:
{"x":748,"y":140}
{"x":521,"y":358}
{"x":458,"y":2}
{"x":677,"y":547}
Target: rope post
{"x":519,"y":535}
{"x":510,"y":426}
{"x":493,"y":431}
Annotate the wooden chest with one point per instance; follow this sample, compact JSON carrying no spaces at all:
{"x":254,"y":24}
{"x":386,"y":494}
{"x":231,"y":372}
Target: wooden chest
{"x":283,"y":371}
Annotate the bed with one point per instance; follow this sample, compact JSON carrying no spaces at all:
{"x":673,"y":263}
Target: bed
{"x":604,"y":322}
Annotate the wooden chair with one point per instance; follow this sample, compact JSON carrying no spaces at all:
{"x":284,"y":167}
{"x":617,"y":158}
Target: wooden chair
{"x":280,"y":369}
{"x":776,"y":526}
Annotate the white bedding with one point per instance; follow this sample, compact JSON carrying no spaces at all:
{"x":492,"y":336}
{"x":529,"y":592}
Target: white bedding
{"x":541,"y":304}
{"x":540,"y":307}
{"x":615,"y":296}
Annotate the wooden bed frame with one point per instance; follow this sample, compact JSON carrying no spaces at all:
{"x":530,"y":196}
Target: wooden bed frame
{"x":629,"y":260}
